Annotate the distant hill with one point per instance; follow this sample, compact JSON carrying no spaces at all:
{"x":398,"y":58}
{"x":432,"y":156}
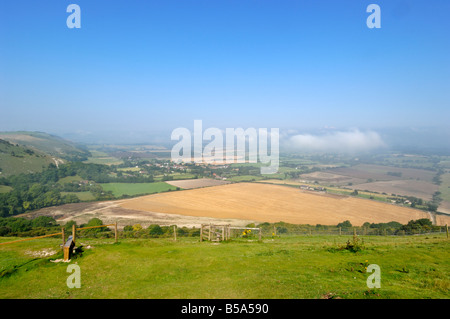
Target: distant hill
{"x":16,"y":159}
{"x":48,"y":144}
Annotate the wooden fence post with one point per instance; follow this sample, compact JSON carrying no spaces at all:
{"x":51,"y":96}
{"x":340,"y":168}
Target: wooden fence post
{"x":209,"y":235}
{"x":259,"y":234}
{"x":68,"y":248}
{"x":74,"y":233}
{"x":63,"y":236}
{"x":446,"y":229}
{"x":115,"y":231}
{"x":175,"y":232}
{"x":201,"y":232}
{"x":339,"y":231}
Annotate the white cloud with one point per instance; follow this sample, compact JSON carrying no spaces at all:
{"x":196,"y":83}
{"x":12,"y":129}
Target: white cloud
{"x":337,"y":141}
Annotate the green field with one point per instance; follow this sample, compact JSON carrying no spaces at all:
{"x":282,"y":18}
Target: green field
{"x":175,"y":176}
{"x":119,"y":189}
{"x":444,"y":188}
{"x":102,"y":158}
{"x":286,"y":268}
{"x":69,"y":179}
{"x":129,"y":169}
{"x":5,"y":189}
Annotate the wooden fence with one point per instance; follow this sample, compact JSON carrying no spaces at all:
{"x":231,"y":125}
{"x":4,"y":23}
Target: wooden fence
{"x":62,"y":233}
{"x":212,"y":232}
{"x":74,"y":230}
{"x":25,"y":239}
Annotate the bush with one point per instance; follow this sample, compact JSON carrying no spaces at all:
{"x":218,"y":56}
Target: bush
{"x":68,"y":225}
{"x":128,"y":228}
{"x":345,"y":224}
{"x":155,"y":230}
{"x":94,"y":231}
{"x":355,"y":245}
{"x":4,"y":230}
{"x":43,"y":221}
{"x":416,"y":226}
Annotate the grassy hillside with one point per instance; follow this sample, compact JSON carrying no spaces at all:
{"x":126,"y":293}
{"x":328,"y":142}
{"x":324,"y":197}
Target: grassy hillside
{"x":16,"y":159}
{"x":49,"y":144}
{"x":288,"y":267}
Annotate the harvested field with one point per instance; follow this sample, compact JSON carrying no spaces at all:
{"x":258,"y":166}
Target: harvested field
{"x":420,"y":189}
{"x":236,"y":204}
{"x":197,"y":183}
{"x":330,"y":178}
{"x":380,"y":173}
{"x":271,"y":203}
{"x":444,"y":207}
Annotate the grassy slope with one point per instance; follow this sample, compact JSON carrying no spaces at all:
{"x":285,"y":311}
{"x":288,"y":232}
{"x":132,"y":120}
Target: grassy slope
{"x":14,"y":159}
{"x":47,"y":143}
{"x":292,"y":267}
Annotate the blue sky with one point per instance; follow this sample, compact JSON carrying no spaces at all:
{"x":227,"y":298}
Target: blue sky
{"x":148,"y":66}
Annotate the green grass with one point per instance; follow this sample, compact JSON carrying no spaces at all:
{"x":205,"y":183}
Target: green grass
{"x":14,"y":159}
{"x":119,"y":189}
{"x":102,"y":158}
{"x":287,"y":268}
{"x":49,"y":144}
{"x":69,"y":179}
{"x":129,"y":169}
{"x":175,"y":176}
{"x":5,"y":189}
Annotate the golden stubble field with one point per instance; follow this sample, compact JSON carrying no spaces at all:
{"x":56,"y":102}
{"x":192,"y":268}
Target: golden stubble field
{"x":272,"y":203}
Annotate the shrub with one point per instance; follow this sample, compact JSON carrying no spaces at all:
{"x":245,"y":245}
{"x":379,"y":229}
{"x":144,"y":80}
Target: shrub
{"x":4,"y":230}
{"x":355,"y":245}
{"x":345,"y":224}
{"x":43,"y":221}
{"x":155,"y":230}
{"x":128,"y":228}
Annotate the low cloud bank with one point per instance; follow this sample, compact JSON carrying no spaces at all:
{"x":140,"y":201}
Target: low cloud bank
{"x":337,"y":141}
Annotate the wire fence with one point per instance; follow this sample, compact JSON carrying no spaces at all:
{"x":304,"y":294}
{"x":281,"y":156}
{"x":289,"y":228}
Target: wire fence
{"x":265,"y":231}
{"x":345,"y":231}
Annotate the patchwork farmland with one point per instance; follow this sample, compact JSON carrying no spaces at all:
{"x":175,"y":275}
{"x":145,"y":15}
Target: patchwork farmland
{"x":378,"y":178}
